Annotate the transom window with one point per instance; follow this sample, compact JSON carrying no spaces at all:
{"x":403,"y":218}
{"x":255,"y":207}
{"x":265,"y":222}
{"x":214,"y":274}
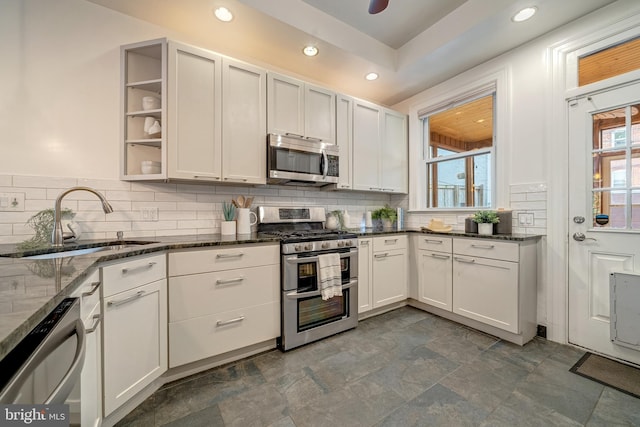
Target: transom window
{"x":459,"y":153}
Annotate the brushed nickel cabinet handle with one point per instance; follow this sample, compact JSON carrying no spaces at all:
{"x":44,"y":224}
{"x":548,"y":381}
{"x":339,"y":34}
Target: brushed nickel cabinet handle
{"x":96,"y":321}
{"x":228,"y":322}
{"x":440,"y":256}
{"x":131,"y":270}
{"x":482,"y":246}
{"x":137,"y":295}
{"x":236,"y":255}
{"x":229,"y":281}
{"x":94,"y":288}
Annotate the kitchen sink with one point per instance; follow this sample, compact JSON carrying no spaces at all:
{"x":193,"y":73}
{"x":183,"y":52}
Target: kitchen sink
{"x":70,"y":252}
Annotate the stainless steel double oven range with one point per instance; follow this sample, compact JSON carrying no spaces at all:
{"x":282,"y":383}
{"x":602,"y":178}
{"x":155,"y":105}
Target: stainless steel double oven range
{"x":305,"y":316}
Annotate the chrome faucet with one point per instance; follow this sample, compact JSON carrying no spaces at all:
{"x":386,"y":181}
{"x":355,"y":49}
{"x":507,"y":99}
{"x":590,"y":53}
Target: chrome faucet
{"x":57,"y":239}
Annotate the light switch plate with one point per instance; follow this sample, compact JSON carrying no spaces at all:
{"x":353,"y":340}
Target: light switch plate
{"x":11,"y":202}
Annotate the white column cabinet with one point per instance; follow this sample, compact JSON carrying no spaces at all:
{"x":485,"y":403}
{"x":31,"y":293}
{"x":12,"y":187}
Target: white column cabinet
{"x":134,"y":328}
{"x":244,"y":123}
{"x":380,"y":149}
{"x":365,"y":302}
{"x":300,"y":109}
{"x":194,"y":113}
{"x":344,"y":139}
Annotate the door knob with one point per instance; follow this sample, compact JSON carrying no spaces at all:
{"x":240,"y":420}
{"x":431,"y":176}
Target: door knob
{"x":578,"y":219}
{"x":580,"y":237}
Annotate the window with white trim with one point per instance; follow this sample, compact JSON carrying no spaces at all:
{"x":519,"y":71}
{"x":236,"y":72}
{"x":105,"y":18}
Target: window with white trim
{"x":459,"y":151}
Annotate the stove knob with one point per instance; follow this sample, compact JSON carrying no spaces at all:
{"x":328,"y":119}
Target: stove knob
{"x":340,"y":244}
{"x":297,"y":248}
{"x":325,"y":245}
{"x":347,"y":243}
{"x":308,"y":247}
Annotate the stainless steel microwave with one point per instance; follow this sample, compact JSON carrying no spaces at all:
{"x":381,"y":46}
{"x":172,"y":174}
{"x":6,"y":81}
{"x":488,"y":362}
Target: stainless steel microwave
{"x":301,"y":161}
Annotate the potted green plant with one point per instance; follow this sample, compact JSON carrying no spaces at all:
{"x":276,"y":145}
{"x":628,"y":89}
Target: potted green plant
{"x":485,"y":221}
{"x":228,"y":226}
{"x":385,"y":214}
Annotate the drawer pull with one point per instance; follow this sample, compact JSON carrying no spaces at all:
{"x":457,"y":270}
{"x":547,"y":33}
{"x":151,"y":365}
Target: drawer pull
{"x":137,"y":295}
{"x":94,"y":288}
{"x":390,"y":240}
{"x":229,"y":281}
{"x":384,"y":255}
{"x":483,"y":246}
{"x":96,"y":321}
{"x":365,"y":243}
{"x":228,"y":322}
{"x":130,"y":270}
{"x":238,"y":255}
{"x":440,"y":256}
{"x":437,"y":242}
{"x":465,"y":260}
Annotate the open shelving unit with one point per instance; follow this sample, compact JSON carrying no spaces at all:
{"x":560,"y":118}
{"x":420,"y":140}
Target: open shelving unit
{"x":143,"y":74}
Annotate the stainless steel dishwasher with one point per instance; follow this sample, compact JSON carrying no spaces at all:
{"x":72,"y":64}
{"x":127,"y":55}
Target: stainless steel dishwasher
{"x":45,"y":367}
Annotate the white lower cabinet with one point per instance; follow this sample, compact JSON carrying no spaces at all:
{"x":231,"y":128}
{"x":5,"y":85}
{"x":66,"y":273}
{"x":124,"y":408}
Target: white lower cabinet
{"x":89,"y":395}
{"x":222,"y":300}
{"x":382,"y":271}
{"x":134,"y":328}
{"x":488,"y":281}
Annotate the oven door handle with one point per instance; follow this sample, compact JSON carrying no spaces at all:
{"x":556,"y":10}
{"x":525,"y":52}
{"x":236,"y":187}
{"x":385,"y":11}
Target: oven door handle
{"x":295,"y":259}
{"x":296,"y":295}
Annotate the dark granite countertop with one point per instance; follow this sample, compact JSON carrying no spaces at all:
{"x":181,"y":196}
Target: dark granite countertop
{"x":30,"y":289}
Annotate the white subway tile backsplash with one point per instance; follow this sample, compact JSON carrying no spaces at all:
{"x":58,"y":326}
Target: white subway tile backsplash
{"x":182,"y":208}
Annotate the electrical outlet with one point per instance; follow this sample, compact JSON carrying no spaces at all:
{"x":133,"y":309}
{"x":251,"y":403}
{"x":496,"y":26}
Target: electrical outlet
{"x":149,"y":214}
{"x":12,"y":202}
{"x":525,"y":218}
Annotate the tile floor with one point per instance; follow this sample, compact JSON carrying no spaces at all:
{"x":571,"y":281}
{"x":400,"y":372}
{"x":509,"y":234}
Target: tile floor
{"x":402,"y":368}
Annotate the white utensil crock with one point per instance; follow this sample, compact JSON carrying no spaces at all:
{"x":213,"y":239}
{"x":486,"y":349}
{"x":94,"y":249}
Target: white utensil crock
{"x":245,"y":220}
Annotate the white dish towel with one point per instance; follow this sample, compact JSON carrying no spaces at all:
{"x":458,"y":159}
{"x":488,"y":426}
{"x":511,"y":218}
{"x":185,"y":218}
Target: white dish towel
{"x":330,"y":277}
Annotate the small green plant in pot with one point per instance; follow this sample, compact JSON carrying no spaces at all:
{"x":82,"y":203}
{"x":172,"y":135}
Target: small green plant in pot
{"x":485,"y":221}
{"x":228,"y":226}
{"x":385,"y":214}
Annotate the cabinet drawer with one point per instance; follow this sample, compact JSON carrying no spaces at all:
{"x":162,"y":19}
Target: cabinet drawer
{"x":392,"y":241}
{"x":127,"y":275}
{"x":435,"y":243}
{"x":203,"y":261}
{"x":196,"y":339}
{"x":487,"y":248}
{"x":202,"y":294}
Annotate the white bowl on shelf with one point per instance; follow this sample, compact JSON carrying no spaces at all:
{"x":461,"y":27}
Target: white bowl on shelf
{"x":150,"y":167}
{"x":150,"y":103}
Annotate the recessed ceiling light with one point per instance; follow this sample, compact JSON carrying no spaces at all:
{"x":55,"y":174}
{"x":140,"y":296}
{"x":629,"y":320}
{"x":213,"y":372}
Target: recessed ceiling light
{"x":524,"y":14}
{"x":371,"y":76}
{"x":310,"y":50}
{"x":480,"y":121}
{"x":223,"y":14}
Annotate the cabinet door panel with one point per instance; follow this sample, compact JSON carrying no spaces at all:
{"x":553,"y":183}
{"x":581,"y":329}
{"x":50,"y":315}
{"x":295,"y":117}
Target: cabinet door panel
{"x":365,"y":302}
{"x":135,"y":341}
{"x":394,"y":149}
{"x":285,"y":97}
{"x":436,"y":279}
{"x":344,"y":138}
{"x":320,"y":114}
{"x":244,"y":128}
{"x":195,"y":102}
{"x":389,"y":277}
{"x":486,"y":290}
{"x":366,"y":146}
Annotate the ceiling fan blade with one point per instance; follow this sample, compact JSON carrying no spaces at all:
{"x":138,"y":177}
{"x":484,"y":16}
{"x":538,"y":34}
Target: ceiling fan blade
{"x":377,"y":6}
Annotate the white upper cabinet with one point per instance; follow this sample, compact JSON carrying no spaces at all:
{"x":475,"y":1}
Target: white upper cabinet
{"x":380,"y":149}
{"x":244,"y":123}
{"x":195,"y":113}
{"x":212,"y":114}
{"x":300,"y":109}
{"x":344,"y":139}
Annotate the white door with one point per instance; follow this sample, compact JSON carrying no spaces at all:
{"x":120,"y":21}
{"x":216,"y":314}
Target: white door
{"x":604,"y":211}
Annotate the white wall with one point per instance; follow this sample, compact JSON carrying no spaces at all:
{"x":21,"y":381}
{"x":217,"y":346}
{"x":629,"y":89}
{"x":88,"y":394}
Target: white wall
{"x":527,"y":144}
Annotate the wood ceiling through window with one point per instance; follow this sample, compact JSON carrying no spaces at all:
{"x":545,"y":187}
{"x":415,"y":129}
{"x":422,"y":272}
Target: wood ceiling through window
{"x":610,"y":62}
